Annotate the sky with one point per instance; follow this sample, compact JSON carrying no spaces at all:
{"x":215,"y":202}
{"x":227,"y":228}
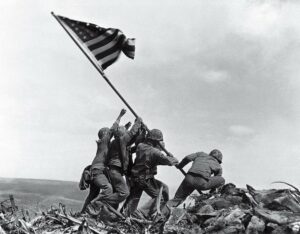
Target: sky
{"x":209,"y":74}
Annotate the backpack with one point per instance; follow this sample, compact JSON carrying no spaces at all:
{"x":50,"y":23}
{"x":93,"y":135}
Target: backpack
{"x":86,"y":178}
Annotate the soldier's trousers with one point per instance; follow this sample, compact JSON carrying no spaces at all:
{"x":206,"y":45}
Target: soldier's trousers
{"x":151,"y":186}
{"x":193,"y":182}
{"x":120,"y":188}
{"x":99,"y":184}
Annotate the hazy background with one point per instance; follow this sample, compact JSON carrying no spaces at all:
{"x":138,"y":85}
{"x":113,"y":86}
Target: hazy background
{"x":209,"y":74}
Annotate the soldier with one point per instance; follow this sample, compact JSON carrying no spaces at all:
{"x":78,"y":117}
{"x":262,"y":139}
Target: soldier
{"x":118,"y":161}
{"x":148,"y":157}
{"x":199,"y":176}
{"x":139,"y":138}
{"x":99,"y":180}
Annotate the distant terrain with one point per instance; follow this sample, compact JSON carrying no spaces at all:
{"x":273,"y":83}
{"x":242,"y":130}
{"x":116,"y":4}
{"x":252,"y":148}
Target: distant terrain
{"x":34,"y":194}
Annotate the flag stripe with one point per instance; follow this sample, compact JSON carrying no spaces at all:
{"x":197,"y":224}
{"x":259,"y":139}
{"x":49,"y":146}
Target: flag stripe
{"x":129,"y":48}
{"x":129,"y":54}
{"x":116,"y":47}
{"x":110,"y":57}
{"x":104,"y":41}
{"x":106,"y":47}
{"x":107,"y":64}
{"x":130,"y":42}
{"x":105,"y":44}
{"x":100,"y":38}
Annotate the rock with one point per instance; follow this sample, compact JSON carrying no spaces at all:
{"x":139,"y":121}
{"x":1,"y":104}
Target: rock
{"x":234,"y":200}
{"x":235,"y":216}
{"x":220,"y":203}
{"x":2,"y":231}
{"x":206,"y":211}
{"x":176,"y":214}
{"x":255,"y":226}
{"x":270,"y":227}
{"x":209,"y":222}
{"x":278,"y":217}
{"x":288,"y":201}
{"x":228,"y":189}
{"x":280,"y":230}
{"x":274,"y":199}
{"x":215,"y":226}
{"x":295,"y":227}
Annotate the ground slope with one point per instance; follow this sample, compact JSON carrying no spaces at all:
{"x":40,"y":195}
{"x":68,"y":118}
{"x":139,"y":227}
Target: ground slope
{"x":34,"y":193}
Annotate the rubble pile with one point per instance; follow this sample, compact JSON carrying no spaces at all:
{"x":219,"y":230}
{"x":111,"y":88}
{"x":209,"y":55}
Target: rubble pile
{"x":56,"y":220}
{"x":235,"y":210}
{"x":229,"y":210}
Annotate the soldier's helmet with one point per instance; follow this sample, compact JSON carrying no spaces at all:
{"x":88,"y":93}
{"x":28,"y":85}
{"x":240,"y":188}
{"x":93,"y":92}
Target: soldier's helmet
{"x":217,"y":155}
{"x":120,"y":131}
{"x":102,"y":132}
{"x":155,"y":135}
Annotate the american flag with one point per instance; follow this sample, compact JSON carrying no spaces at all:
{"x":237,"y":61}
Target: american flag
{"x":105,"y":44}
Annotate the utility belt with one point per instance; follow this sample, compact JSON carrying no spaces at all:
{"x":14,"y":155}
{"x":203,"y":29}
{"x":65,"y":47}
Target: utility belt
{"x":198,"y":175}
{"x":143,"y":171}
{"x":143,"y":177}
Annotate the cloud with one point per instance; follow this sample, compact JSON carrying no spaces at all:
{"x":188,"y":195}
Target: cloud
{"x":215,"y":76}
{"x":240,"y":130}
{"x":269,"y":155}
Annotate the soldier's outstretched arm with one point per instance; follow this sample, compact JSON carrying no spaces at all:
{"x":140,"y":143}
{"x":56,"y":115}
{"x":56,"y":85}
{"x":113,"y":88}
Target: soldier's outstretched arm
{"x":115,"y":126}
{"x":117,"y":122}
{"x":126,"y":138}
{"x":187,"y":159}
{"x":123,"y":112}
{"x":162,"y":159}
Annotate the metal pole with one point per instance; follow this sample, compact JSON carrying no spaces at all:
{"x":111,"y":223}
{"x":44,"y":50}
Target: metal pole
{"x":99,"y":69}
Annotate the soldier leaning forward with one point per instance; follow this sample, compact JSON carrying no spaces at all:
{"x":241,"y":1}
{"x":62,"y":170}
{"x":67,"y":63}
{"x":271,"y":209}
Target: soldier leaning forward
{"x":118,"y":161}
{"x":199,"y":176}
{"x":148,"y":157}
{"x":99,"y":180}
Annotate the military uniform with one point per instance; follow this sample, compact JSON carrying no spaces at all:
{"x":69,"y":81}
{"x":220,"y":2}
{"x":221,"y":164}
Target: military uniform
{"x":142,"y":175}
{"x":118,"y":161}
{"x":199,"y":175}
{"x":99,"y":181}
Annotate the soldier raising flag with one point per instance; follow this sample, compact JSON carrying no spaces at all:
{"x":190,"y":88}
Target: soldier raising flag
{"x":91,"y":39}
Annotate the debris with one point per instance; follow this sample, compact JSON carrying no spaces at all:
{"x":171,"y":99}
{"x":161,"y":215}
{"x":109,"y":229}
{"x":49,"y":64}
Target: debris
{"x":282,"y":182}
{"x":278,"y":217}
{"x":229,"y":210}
{"x":8,"y":205}
{"x":256,"y":225}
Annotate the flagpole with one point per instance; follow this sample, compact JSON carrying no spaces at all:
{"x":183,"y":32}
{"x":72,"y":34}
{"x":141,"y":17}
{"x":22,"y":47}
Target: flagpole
{"x":99,"y":69}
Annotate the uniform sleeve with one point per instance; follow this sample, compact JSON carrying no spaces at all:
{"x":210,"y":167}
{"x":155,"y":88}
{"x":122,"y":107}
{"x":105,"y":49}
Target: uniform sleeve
{"x":113,"y":128}
{"x":159,"y":158}
{"x":218,"y":171}
{"x":132,"y":132}
{"x":188,"y":158}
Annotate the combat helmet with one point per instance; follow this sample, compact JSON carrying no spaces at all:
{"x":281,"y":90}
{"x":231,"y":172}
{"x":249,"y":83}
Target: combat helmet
{"x":217,"y":155}
{"x":102,"y":132}
{"x":155,"y":135}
